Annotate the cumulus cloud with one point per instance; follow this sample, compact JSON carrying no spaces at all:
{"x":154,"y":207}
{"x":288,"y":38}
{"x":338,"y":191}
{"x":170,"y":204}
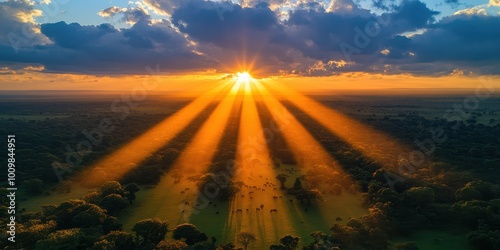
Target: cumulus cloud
{"x":479,"y":10}
{"x":163,"y":7}
{"x":111,"y":11}
{"x":312,"y":38}
{"x":129,"y":15}
{"x":18,"y":27}
{"x":104,"y":49}
{"x":310,"y":34}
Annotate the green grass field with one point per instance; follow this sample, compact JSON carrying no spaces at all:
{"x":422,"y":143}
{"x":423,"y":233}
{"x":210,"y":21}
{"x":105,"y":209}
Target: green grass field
{"x":223,"y":220}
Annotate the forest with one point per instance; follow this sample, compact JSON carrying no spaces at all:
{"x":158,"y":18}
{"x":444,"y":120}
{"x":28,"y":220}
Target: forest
{"x":451,"y":197}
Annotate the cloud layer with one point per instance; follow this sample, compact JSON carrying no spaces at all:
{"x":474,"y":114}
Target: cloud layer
{"x":276,"y":37}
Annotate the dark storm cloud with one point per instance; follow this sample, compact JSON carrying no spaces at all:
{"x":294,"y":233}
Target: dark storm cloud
{"x":307,"y":40}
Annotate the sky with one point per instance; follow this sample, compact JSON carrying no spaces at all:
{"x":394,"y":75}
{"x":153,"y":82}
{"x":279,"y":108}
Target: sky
{"x":109,"y":44}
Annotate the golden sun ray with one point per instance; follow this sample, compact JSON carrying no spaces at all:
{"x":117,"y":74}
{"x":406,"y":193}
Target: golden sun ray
{"x":114,"y":166}
{"x":259,"y":194}
{"x":194,"y":159}
{"x":374,"y":144}
{"x":310,"y":155}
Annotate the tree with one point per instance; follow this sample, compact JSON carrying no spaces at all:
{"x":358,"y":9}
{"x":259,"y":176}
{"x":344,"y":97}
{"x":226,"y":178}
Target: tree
{"x":63,"y":239}
{"x":113,"y":203}
{"x":111,"y":187}
{"x":290,"y":242}
{"x":226,"y":192}
{"x":318,"y":236}
{"x":120,"y":240}
{"x":245,"y":238}
{"x":34,"y":186}
{"x":77,"y":213}
{"x":297,"y":185}
{"x":468,"y":193}
{"x":484,"y":239}
{"x":282,"y":179}
{"x":307,"y":195}
{"x":152,"y":231}
{"x":111,"y":224}
{"x":189,"y":232}
{"x":171,"y":245}
{"x":88,"y":215}
{"x":92,"y":197}
{"x":177,"y":176}
{"x":227,"y":246}
{"x":131,"y":189}
{"x":420,"y":195}
{"x":27,"y":236}
{"x":321,"y":242}
{"x":103,"y":245}
{"x":229,"y":191}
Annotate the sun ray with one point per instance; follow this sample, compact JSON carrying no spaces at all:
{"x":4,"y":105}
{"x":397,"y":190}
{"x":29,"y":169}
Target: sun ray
{"x":114,"y":166}
{"x":308,"y":152}
{"x":255,"y":168}
{"x":195,"y":159}
{"x":374,"y":144}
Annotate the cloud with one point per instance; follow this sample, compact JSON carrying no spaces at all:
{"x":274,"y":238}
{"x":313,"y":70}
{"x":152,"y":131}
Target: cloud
{"x":19,"y":69}
{"x":382,"y":4}
{"x":466,"y":41}
{"x":452,"y":2}
{"x":129,"y":15}
{"x":494,"y":2}
{"x":18,"y":27}
{"x":313,"y":38}
{"x":472,"y":11}
{"x":103,"y":49}
{"x":163,"y":7}
{"x":111,"y":11}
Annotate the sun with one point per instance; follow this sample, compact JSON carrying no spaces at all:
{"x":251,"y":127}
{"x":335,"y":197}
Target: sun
{"x":243,"y":76}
